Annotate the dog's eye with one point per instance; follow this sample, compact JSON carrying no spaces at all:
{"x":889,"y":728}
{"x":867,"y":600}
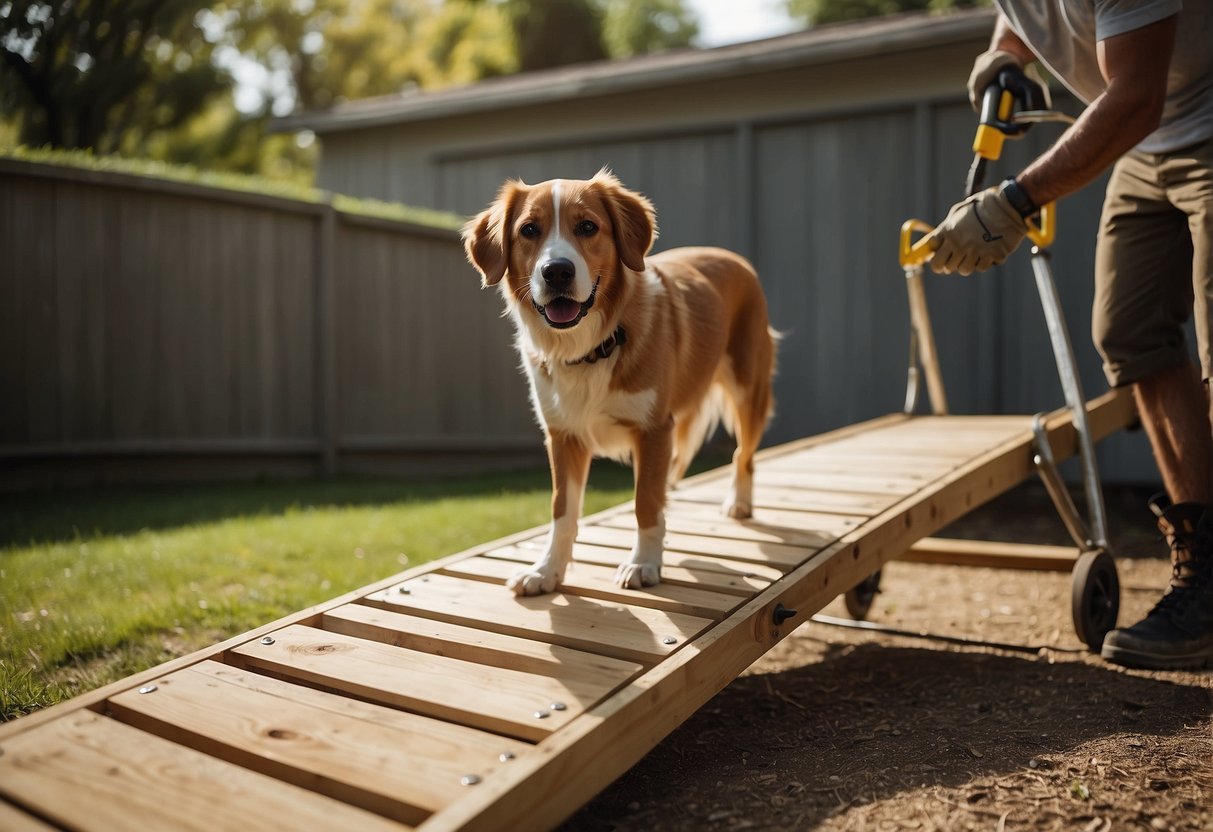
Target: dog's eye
{"x":586,"y":228}
{"x":530,"y":231}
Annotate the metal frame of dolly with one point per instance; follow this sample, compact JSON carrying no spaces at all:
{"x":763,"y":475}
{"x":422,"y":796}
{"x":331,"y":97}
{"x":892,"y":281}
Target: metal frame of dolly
{"x":1095,"y":587}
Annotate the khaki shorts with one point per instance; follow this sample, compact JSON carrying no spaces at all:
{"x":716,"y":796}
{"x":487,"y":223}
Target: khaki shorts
{"x":1154,"y":264}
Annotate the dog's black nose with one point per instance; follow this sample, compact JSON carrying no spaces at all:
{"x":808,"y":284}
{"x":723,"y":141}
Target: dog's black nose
{"x":558,"y":272}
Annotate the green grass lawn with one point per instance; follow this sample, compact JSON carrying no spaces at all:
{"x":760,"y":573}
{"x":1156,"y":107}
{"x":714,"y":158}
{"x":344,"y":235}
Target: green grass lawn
{"x":98,"y":584}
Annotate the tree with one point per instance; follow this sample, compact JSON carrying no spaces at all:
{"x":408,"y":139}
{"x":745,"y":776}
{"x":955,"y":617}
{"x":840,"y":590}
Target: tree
{"x":86,"y":73}
{"x":814,"y":12}
{"x":197,"y":81}
{"x":552,"y":33}
{"x":638,"y":27}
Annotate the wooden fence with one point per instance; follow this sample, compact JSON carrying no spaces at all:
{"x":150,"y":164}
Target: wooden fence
{"x":153,"y":329}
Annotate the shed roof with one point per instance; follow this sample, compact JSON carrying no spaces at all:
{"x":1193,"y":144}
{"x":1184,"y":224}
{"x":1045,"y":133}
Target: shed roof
{"x":819,"y":45}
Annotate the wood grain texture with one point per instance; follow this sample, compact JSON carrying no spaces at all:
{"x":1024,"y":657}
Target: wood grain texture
{"x":623,"y":631}
{"x":399,"y":765}
{"x":496,"y":699}
{"x":120,"y":778}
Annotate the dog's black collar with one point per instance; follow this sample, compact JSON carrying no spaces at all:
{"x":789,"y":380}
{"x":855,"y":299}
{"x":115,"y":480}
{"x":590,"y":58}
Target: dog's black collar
{"x":616,"y":339}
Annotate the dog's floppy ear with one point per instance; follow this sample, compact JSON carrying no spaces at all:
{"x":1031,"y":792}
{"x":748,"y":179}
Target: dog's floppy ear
{"x":486,"y":237}
{"x":633,"y":217}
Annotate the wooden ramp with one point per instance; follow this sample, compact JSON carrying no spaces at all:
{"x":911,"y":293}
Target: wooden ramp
{"x":438,"y":700}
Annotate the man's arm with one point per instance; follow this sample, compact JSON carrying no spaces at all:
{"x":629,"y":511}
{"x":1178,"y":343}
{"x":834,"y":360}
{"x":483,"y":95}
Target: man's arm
{"x":1005,"y":40}
{"x":1135,"y":65}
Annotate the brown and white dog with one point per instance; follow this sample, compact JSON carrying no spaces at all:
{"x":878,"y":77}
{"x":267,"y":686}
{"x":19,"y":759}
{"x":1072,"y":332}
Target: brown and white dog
{"x":627,"y":357}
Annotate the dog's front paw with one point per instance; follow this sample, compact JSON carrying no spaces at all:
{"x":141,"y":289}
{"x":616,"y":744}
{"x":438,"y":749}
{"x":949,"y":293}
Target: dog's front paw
{"x":637,"y":575}
{"x":534,"y":580}
{"x":737,"y":509}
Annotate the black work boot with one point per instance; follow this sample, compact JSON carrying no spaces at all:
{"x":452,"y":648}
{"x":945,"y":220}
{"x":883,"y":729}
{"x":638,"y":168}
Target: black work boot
{"x":1178,"y":632}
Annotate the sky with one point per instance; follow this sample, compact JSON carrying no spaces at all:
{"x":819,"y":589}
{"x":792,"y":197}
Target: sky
{"x":734,"y":21}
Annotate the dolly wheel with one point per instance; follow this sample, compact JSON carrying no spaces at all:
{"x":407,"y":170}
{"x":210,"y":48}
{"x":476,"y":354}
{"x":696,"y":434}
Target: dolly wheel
{"x":860,"y":597}
{"x":1094,"y":597}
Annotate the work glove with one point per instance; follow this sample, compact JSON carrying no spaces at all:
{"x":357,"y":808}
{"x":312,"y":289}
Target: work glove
{"x":978,"y":233}
{"x":986,"y":69}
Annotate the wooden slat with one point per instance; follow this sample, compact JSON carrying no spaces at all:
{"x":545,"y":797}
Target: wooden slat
{"x":809,"y":531}
{"x":797,"y":499}
{"x":85,"y":771}
{"x":995,"y":554}
{"x":476,"y":645}
{"x":622,"y":631}
{"x":398,"y":765}
{"x":489,"y":698}
{"x":683,"y":568}
{"x":827,"y":459}
{"x":590,"y":580}
{"x":13,"y":819}
{"x":777,"y":555}
{"x":858,"y":483}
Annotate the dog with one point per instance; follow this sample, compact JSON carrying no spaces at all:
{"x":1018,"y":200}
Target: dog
{"x":628,"y":356}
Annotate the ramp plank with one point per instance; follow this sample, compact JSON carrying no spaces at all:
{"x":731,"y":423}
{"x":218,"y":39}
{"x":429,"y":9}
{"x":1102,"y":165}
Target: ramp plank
{"x":751,"y":552}
{"x":857,"y":483}
{"x":593,"y":581}
{"x":85,"y":771}
{"x":796,"y":499}
{"x":490,"y":698}
{"x":777,"y":520}
{"x":618,"y":630}
{"x":13,"y":819}
{"x":811,"y":531}
{"x":683,"y":568}
{"x":476,"y":645}
{"x":405,"y":767}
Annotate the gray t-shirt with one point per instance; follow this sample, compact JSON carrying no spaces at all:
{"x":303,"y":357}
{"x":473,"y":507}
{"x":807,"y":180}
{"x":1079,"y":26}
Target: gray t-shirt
{"x":1063,"y":34}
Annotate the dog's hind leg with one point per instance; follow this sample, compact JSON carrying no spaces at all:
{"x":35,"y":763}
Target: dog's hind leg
{"x":570,"y":463}
{"x":751,"y":410}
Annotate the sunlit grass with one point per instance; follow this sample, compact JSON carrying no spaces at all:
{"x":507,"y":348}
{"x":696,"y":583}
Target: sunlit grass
{"x":96,"y":585}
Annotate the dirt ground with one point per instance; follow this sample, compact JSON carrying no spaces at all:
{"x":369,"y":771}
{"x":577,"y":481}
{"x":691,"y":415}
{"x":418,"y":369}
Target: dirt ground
{"x":839,"y":728}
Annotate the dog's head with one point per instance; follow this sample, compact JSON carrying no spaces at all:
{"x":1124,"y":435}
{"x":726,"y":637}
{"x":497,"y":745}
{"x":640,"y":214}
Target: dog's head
{"x":565,"y":249}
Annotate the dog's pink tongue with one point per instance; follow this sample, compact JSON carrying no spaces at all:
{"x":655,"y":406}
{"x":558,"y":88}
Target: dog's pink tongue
{"x":562,"y":310}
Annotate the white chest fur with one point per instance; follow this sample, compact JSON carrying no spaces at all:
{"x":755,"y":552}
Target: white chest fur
{"x":578,"y":400}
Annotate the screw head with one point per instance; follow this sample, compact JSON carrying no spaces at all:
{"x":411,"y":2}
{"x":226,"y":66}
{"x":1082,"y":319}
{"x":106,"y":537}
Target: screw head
{"x":669,"y":640}
{"x":542,"y":714}
{"x":469,"y":780}
{"x":403,"y":590}
{"x":559,"y":706}
{"x":504,"y":757}
{"x":147,"y":689}
{"x":267,"y":641}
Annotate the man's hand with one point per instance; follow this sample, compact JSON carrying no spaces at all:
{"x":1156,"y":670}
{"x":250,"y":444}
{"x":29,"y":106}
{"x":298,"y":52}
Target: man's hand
{"x":986,"y":69}
{"x":978,"y":233}
{"x":985,"y":72}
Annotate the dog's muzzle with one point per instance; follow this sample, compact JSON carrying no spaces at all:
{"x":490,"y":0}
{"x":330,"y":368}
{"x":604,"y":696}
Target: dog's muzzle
{"x":563,"y":312}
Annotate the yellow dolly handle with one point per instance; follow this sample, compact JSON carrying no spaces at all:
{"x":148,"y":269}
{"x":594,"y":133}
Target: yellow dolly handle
{"x":914,"y":253}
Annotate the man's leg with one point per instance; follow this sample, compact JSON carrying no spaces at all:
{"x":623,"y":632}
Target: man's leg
{"x":1174,"y":409}
{"x":1178,"y":631}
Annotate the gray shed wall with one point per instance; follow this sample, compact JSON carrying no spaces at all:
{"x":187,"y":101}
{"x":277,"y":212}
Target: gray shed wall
{"x":815,"y":198}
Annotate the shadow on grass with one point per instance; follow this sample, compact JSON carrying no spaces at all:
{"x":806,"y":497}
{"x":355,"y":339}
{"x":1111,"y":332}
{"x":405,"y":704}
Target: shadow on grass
{"x":64,"y":515}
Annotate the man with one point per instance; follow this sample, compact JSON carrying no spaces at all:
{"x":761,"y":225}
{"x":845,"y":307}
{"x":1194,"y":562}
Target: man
{"x":1145,"y":70}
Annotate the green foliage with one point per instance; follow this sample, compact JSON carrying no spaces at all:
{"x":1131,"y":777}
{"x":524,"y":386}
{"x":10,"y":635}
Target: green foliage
{"x":552,"y":33}
{"x":104,"y":73}
{"x":814,"y":12}
{"x":638,"y":27}
{"x":157,"y":78}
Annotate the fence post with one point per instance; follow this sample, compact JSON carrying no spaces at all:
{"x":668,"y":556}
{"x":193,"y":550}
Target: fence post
{"x":326,"y":339}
